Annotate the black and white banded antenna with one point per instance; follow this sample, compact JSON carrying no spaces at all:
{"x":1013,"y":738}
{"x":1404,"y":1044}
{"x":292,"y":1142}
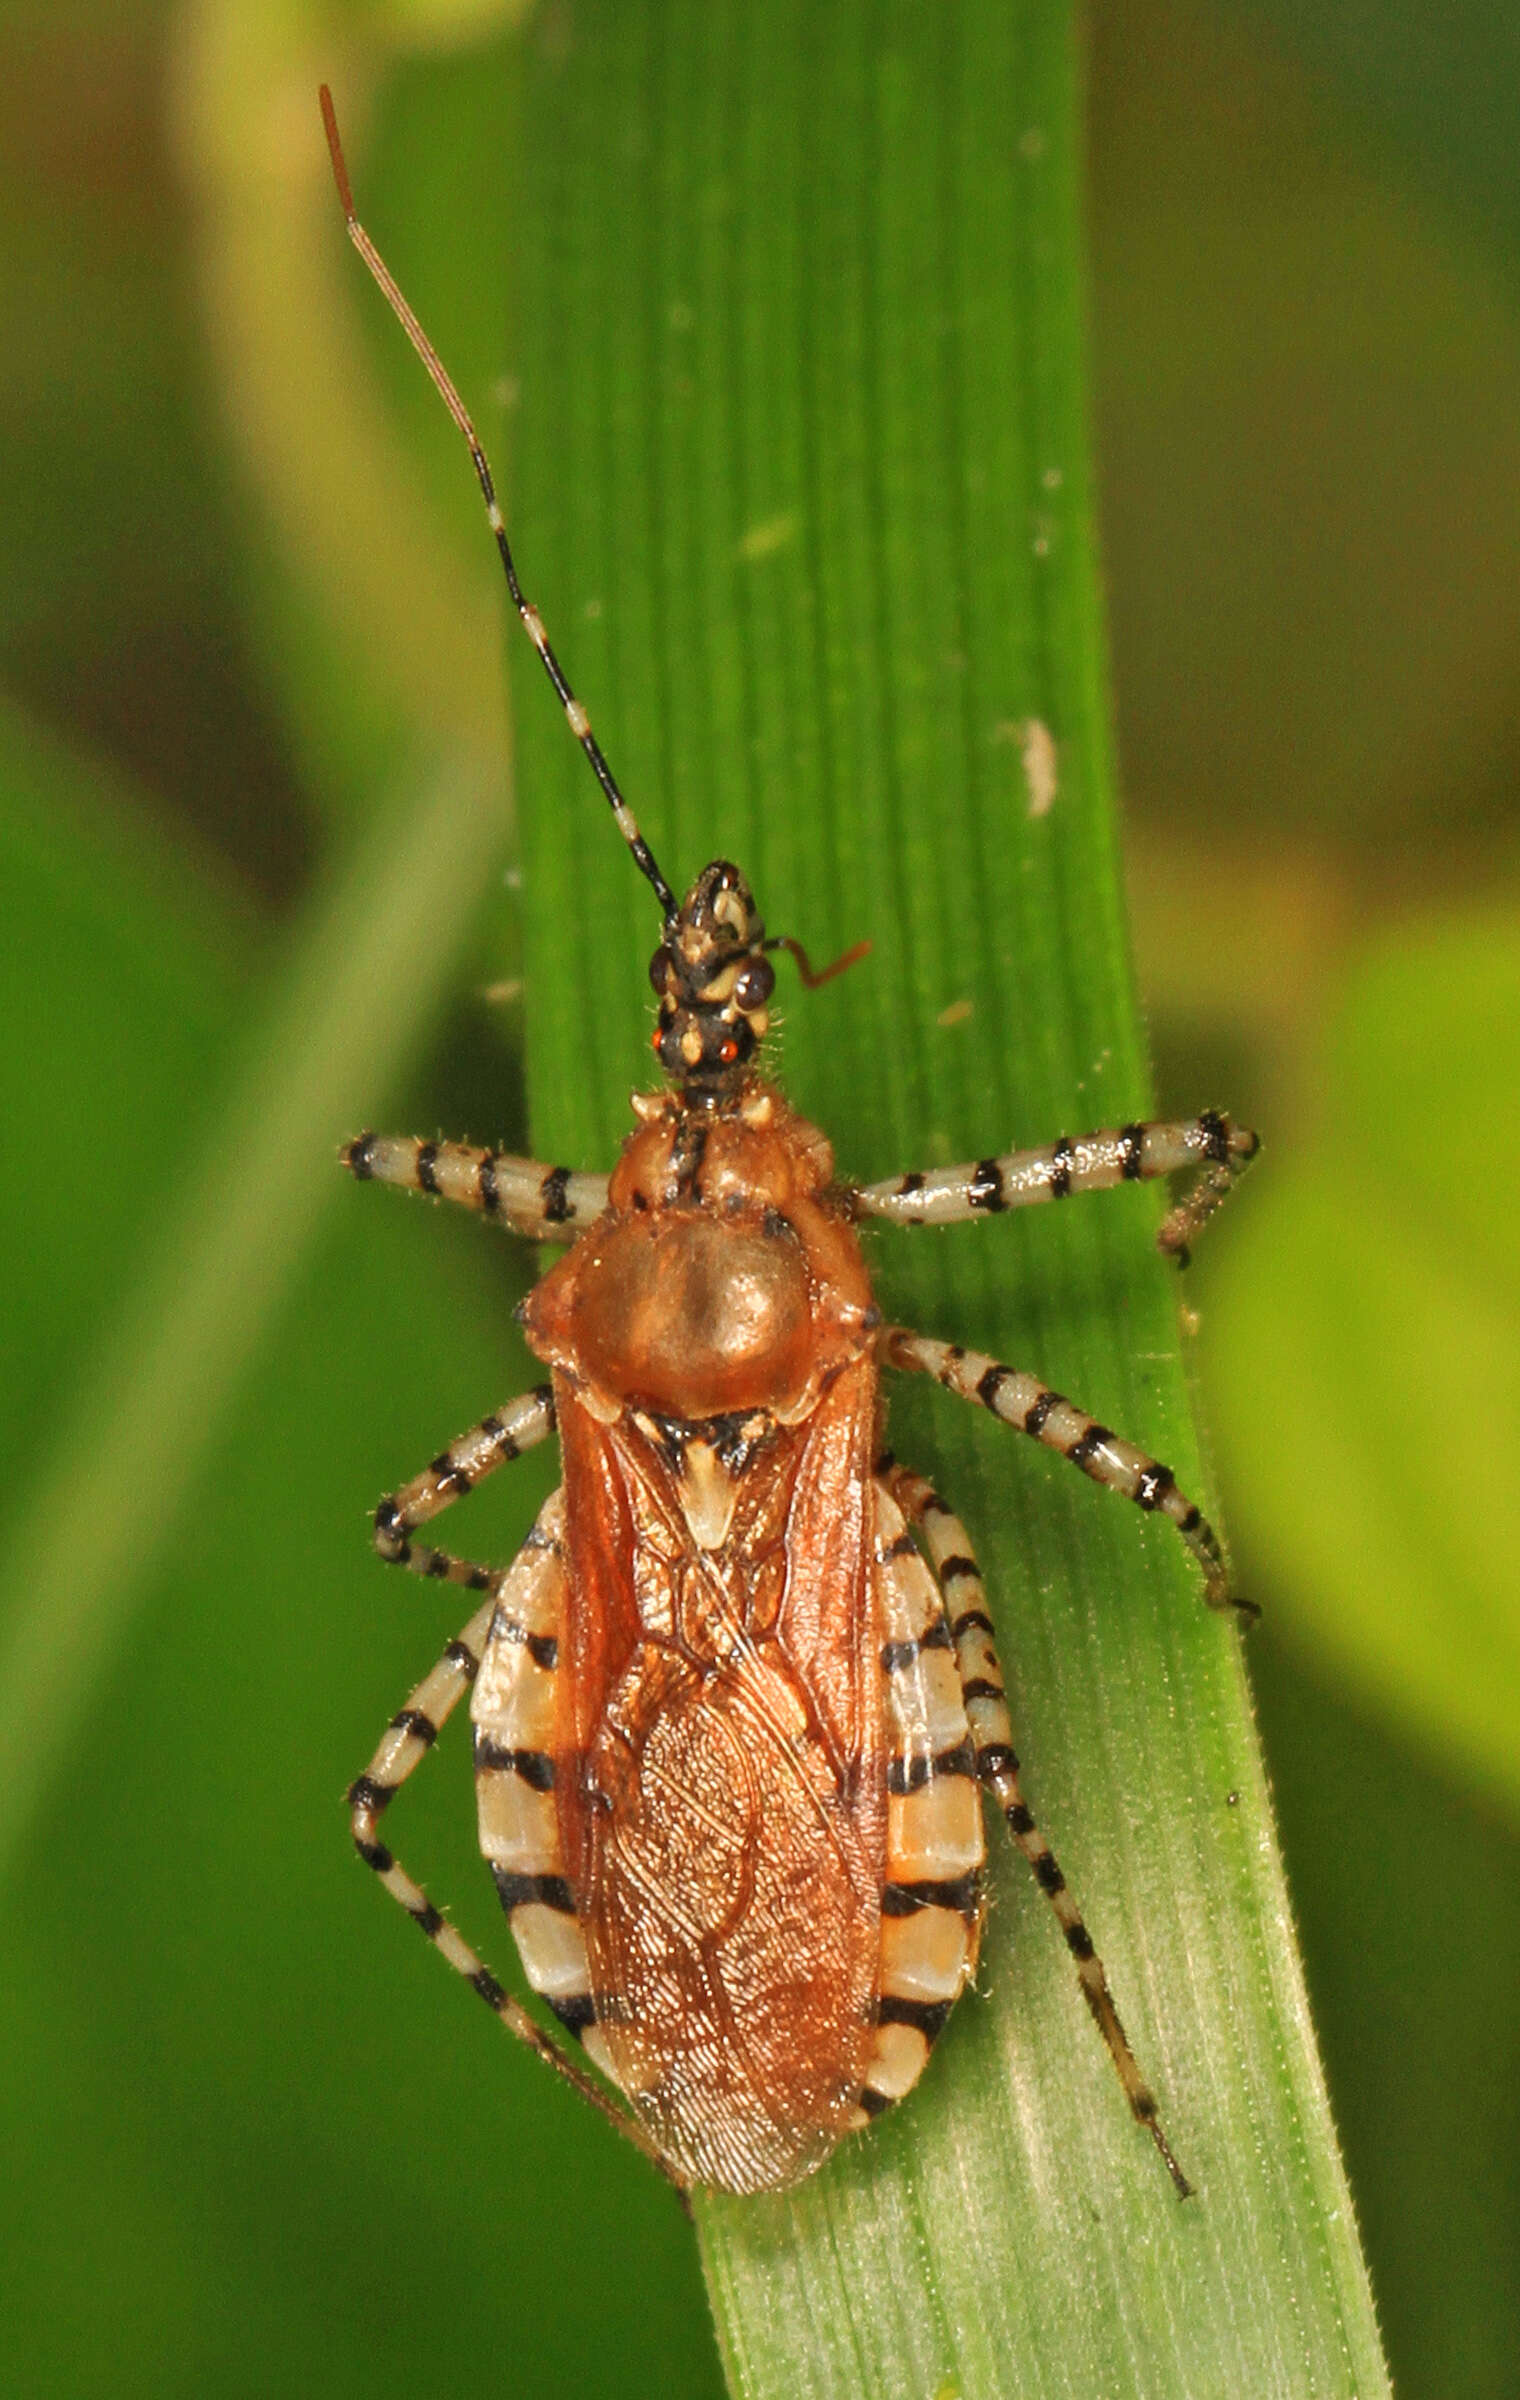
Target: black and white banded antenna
{"x":579,"y":721}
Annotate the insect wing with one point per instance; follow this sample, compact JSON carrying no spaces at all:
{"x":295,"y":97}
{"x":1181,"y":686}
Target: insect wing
{"x":723,"y":1816}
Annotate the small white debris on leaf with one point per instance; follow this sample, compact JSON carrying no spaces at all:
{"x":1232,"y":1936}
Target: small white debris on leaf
{"x":1037,"y":751}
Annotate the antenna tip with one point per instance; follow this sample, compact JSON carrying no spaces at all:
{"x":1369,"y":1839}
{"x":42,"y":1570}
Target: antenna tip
{"x":335,"y":151}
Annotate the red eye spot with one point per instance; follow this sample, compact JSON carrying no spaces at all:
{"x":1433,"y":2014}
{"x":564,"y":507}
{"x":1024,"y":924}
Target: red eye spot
{"x":729,"y":1053}
{"x":654,"y":1039}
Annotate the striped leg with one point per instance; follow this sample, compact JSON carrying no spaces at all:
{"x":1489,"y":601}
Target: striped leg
{"x":931,"y":1902}
{"x":493,"y":1443}
{"x":406,"y":1741}
{"x":547,"y":1204}
{"x":1220,"y":1150}
{"x":1032,"y":1407}
{"x":981,"y":1683}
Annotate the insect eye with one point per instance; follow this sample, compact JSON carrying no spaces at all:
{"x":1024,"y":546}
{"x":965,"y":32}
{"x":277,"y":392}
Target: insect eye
{"x":754,"y":983}
{"x":729,"y":1052}
{"x":659,"y":968}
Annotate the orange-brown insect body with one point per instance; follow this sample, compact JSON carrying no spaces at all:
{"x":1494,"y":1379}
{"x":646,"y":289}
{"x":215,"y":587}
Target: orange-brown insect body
{"x":721,"y":1790}
{"x":732,"y":1723}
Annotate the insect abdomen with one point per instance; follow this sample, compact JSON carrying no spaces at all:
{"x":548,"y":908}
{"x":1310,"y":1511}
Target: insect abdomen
{"x":731,"y":1918}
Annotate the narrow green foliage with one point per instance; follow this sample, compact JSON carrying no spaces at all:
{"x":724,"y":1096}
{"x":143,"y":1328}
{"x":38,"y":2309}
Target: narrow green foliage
{"x":801,"y":487}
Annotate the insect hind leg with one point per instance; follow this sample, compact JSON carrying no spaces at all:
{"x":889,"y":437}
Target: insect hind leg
{"x":406,"y":1741}
{"x":931,"y":1899}
{"x":960,"y":1581}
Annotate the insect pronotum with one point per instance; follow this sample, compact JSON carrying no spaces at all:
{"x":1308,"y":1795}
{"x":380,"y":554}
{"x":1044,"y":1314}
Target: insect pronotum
{"x":737,"y":1699}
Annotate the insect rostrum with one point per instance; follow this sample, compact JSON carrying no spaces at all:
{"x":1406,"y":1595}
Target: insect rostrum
{"x":737,"y":1699}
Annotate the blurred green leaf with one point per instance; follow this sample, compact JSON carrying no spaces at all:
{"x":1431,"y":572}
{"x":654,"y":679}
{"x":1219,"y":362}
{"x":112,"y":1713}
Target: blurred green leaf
{"x":194,"y":1300}
{"x":1407,"y":1899}
{"x":1309,"y":423}
{"x":1365,"y":1334}
{"x":98,"y":942}
{"x":378,"y":618}
{"x":119,"y":615}
{"x":1438,"y":85}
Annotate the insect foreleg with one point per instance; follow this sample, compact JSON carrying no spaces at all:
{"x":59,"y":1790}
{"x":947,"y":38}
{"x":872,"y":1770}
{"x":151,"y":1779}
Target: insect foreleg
{"x":493,"y":1443}
{"x":406,"y":1741}
{"x":1031,"y":1407}
{"x":1218,"y":1149}
{"x":981,"y":1677}
{"x":546,"y":1204}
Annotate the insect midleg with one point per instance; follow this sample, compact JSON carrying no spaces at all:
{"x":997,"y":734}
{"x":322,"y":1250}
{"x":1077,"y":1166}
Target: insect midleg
{"x":405,"y":1743}
{"x":544,"y":1204}
{"x":981,"y":1683}
{"x":1095,"y":1162}
{"x":493,"y":1443}
{"x":931,"y":1901}
{"x":1031,"y":1407}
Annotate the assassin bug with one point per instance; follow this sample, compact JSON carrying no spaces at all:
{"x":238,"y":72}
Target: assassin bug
{"x":737,"y":1699}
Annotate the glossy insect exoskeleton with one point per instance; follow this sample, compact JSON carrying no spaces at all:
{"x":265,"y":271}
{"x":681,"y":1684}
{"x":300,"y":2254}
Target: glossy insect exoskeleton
{"x":737,"y":1699}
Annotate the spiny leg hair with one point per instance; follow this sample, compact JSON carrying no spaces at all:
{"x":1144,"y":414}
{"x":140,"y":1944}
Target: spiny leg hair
{"x":1031,"y":1407}
{"x":406,"y":1741}
{"x":959,"y":1578}
{"x":493,"y":1443}
{"x":1220,"y":1151}
{"x":544,"y":1204}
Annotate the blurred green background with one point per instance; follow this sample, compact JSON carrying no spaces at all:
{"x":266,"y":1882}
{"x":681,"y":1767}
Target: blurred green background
{"x":239,"y":586}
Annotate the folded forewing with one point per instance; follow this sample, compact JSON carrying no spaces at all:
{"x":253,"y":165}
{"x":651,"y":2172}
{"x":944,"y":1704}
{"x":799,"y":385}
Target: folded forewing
{"x":728,"y":1825}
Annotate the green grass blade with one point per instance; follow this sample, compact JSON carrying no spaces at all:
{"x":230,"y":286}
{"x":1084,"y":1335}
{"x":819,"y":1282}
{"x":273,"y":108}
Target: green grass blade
{"x":802,"y":489}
